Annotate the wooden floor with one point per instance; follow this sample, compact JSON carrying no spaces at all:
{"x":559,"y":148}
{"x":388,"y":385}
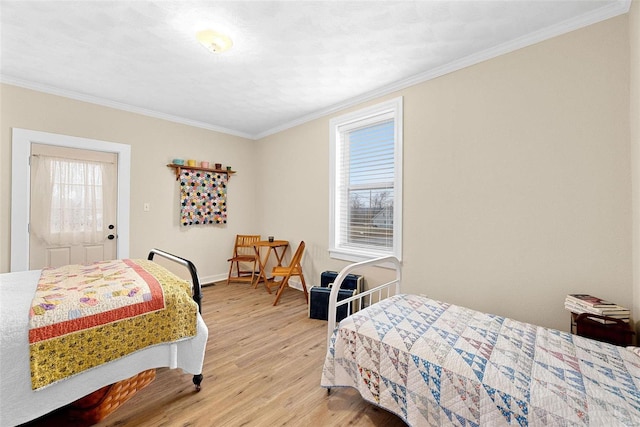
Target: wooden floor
{"x":262,"y":368}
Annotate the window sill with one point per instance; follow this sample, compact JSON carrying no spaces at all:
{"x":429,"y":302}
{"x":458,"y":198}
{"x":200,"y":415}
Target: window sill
{"x":357,"y":256}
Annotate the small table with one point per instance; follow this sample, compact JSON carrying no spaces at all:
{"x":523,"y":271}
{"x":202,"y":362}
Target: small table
{"x":272,"y":247}
{"x":619,"y":333}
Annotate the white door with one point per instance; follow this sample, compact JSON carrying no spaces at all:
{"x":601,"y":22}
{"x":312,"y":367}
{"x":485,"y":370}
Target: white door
{"x":73,"y":206}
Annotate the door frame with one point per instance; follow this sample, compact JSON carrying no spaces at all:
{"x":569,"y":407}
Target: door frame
{"x":21,"y":187}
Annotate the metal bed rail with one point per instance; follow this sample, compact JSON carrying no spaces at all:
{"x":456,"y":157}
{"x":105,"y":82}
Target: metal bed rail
{"x":197,"y":291}
{"x":381,"y":291}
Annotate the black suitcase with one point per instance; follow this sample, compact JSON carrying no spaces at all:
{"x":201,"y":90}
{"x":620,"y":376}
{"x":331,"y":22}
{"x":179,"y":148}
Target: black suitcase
{"x":319,"y":303}
{"x":319,"y":295}
{"x":352,"y":281}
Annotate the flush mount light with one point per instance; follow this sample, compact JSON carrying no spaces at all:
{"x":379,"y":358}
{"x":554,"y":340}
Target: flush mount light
{"x":214,"y":41}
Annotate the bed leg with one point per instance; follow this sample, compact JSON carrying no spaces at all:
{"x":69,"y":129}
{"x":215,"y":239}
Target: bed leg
{"x":328,"y":391}
{"x":197,"y":379}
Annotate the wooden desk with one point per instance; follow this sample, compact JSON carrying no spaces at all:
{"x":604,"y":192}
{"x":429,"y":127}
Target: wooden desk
{"x":278,"y":247}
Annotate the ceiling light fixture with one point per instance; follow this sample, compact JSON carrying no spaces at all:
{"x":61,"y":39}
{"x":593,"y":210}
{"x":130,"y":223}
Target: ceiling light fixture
{"x":214,"y":41}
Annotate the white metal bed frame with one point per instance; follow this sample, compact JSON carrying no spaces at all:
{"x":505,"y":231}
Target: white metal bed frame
{"x":366,"y":298}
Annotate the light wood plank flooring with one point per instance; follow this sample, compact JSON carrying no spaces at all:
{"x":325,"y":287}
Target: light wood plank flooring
{"x":262,"y":368}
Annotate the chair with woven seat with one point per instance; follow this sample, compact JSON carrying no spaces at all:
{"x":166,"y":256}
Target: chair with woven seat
{"x":244,"y":253}
{"x":294,"y":269}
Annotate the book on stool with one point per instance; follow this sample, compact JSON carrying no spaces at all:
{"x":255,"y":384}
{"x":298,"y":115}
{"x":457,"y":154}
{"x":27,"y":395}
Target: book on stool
{"x":319,"y":295}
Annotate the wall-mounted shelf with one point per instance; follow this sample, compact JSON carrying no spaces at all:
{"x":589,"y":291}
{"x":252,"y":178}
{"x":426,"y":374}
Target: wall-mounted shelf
{"x":179,"y":168}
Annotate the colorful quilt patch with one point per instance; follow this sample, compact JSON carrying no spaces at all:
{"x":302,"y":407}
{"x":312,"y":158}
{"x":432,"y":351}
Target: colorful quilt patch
{"x":85,"y":316}
{"x":203,"y":197}
{"x":76,"y":297}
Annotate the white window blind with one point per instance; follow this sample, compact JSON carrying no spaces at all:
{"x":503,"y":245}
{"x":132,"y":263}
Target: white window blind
{"x":366,"y":153}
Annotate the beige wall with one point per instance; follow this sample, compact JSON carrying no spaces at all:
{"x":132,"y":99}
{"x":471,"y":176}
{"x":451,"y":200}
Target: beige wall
{"x":153,"y":144}
{"x":517,"y":186}
{"x":517,"y":179}
{"x":634,"y":117}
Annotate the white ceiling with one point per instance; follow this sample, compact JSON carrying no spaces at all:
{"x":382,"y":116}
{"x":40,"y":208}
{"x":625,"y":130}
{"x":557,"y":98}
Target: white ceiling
{"x":291,"y":61}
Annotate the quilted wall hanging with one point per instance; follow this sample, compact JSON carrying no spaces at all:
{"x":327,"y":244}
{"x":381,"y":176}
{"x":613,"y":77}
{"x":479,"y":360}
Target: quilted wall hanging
{"x":203,"y":197}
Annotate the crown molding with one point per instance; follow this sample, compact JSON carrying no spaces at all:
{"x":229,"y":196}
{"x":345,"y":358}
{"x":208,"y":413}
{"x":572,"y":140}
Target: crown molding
{"x":118,"y":105}
{"x":608,"y":11}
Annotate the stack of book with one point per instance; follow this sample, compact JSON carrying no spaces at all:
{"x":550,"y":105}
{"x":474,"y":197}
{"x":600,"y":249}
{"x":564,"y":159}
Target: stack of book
{"x":582,"y":303}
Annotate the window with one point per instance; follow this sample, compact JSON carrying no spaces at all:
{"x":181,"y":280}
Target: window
{"x":72,"y":202}
{"x":366,"y":183}
{"x":76,"y":196}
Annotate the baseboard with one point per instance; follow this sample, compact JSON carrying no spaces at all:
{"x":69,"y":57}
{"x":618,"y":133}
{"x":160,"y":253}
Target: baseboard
{"x":295,"y":284}
{"x":210,"y":280}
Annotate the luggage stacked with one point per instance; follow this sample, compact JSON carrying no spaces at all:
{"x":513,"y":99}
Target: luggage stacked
{"x":319,"y":295}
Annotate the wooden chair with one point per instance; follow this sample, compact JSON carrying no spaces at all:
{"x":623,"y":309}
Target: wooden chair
{"x":294,"y":269}
{"x":243,"y":253}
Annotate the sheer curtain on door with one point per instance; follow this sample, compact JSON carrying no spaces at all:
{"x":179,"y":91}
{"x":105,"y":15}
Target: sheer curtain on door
{"x":72,"y":196}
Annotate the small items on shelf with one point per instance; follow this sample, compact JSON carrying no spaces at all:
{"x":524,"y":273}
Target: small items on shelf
{"x":583,"y":303}
{"x":178,"y":167}
{"x":595,"y":318}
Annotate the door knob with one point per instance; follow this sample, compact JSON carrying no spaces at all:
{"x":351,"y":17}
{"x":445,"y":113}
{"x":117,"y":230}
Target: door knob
{"x":111,"y":237}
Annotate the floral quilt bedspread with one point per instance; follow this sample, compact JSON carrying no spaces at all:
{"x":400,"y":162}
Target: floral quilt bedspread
{"x":434,"y":363}
{"x":85,"y":315}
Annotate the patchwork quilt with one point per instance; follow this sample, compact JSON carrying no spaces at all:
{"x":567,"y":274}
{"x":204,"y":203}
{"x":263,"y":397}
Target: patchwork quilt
{"x":85,"y":315}
{"x":436,"y":364}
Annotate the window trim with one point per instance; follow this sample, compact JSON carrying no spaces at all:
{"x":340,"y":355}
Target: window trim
{"x":336,"y":124}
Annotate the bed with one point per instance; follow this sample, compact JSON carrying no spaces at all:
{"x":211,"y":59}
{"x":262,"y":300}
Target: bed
{"x":434,"y":363}
{"x":20,"y":403}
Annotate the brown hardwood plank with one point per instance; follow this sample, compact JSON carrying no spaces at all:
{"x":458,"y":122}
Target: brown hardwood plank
{"x":262,"y":368}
